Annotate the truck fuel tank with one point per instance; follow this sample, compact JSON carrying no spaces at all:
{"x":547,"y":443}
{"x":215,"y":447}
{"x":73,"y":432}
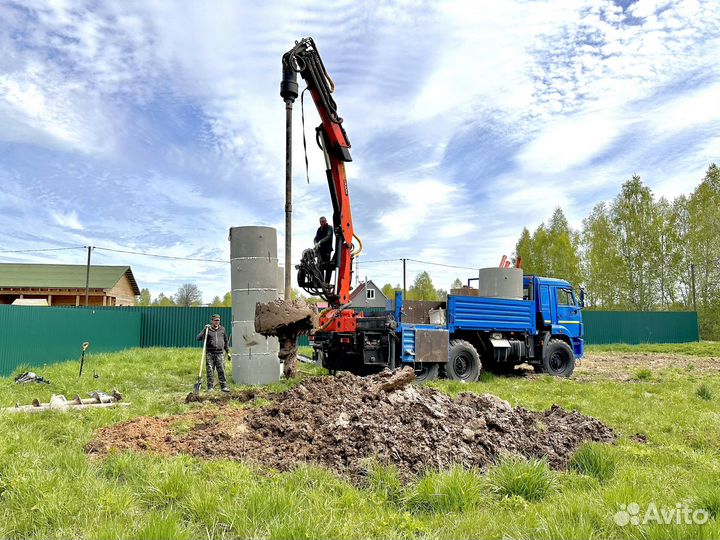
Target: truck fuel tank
{"x":507,"y":349}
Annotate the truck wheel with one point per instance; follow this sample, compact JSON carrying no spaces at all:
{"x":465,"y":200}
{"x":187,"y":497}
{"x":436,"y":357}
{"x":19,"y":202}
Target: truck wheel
{"x":463,"y":362}
{"x":558,"y":359}
{"x":426,"y":372}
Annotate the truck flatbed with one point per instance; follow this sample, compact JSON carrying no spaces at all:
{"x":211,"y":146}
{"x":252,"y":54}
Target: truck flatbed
{"x":490,"y":314}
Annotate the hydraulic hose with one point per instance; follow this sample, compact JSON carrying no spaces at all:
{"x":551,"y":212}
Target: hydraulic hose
{"x":355,"y":253}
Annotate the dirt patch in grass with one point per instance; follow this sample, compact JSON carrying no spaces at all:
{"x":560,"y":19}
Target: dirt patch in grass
{"x":625,"y":366}
{"x":341,"y":421}
{"x":240,"y":396}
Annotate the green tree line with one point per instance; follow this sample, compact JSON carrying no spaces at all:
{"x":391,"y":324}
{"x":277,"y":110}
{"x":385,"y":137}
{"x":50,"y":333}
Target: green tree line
{"x":188,"y":294}
{"x":638,"y":252}
{"x":422,"y":288}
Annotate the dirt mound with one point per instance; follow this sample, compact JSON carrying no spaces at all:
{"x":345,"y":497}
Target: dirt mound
{"x":341,"y":421}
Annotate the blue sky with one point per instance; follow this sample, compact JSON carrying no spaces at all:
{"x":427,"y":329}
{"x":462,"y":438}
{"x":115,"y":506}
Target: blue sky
{"x":156,"y":126}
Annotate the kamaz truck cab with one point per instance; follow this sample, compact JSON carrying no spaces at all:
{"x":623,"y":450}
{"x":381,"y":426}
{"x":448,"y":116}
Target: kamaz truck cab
{"x":559,"y":311}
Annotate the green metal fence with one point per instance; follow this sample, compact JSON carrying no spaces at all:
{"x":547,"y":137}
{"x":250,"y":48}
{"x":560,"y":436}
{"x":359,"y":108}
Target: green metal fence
{"x":634,"y":327}
{"x":631,"y":327}
{"x":173,"y":326}
{"x":44,"y":335}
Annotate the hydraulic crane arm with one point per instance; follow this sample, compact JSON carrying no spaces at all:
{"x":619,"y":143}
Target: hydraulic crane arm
{"x":304,"y":59}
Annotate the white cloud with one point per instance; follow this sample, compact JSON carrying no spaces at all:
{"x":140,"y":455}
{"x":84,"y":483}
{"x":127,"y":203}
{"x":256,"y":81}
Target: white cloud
{"x":454,"y":230}
{"x":570,"y":142}
{"x":37,"y":107}
{"x":105,"y":90}
{"x":416,"y":203}
{"x":69,"y":220}
{"x":689,"y":110}
{"x":645,"y":8}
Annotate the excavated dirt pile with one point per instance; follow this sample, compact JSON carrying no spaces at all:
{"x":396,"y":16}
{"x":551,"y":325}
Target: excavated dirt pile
{"x":341,"y":421}
{"x":287,"y":321}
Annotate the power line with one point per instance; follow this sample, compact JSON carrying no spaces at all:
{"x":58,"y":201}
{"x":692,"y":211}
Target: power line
{"x":422,"y":262}
{"x":39,"y":249}
{"x":161,"y":256}
{"x":445,"y":265}
{"x":197,"y":259}
{"x":382,"y":261}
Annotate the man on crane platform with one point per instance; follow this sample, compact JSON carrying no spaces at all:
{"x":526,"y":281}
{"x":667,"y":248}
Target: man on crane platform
{"x":324,"y":245}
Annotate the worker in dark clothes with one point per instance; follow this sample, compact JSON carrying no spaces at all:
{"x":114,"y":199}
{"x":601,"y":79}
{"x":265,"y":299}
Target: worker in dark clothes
{"x":217,"y":348}
{"x":324,"y":246}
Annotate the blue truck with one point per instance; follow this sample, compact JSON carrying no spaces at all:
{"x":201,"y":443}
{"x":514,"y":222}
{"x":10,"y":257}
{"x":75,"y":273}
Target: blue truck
{"x":543,"y":329}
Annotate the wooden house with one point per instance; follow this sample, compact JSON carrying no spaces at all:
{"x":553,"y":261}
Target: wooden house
{"x":64,"y":284}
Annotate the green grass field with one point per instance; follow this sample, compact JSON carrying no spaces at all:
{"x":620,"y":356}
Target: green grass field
{"x":49,"y":487}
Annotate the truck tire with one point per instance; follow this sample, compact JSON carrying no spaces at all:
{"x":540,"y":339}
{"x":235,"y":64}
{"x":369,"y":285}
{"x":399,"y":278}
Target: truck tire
{"x":463,"y":362}
{"x":558,"y":359}
{"x":426,"y":372}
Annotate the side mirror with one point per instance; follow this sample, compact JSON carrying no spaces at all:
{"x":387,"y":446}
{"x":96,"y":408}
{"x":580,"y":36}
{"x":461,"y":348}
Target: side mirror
{"x":582,"y":297}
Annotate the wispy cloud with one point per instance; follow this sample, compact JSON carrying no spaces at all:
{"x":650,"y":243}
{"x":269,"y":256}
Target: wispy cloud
{"x":147,"y":126}
{"x":69,"y":220}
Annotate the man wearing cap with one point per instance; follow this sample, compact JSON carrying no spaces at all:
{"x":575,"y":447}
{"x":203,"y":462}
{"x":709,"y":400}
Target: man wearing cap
{"x":217,"y":348}
{"x":324,"y":246}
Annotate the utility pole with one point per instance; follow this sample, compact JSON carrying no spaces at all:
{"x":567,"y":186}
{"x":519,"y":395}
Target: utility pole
{"x":404,"y":280}
{"x":289,"y":92}
{"x":87,"y":275}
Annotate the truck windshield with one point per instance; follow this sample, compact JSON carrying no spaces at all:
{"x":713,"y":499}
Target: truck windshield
{"x":565,"y":297}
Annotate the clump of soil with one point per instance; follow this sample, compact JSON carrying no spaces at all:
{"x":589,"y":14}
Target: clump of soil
{"x":287,"y":320}
{"x":341,"y":421}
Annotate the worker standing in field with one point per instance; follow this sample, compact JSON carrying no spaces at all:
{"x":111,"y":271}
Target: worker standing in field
{"x":216,"y":349}
{"x":324,"y":246}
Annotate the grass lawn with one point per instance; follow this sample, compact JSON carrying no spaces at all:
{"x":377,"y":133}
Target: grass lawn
{"x":49,"y":487}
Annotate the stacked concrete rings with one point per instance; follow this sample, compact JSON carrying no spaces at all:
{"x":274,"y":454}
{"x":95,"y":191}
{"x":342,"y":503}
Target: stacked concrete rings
{"x":253,"y":279}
